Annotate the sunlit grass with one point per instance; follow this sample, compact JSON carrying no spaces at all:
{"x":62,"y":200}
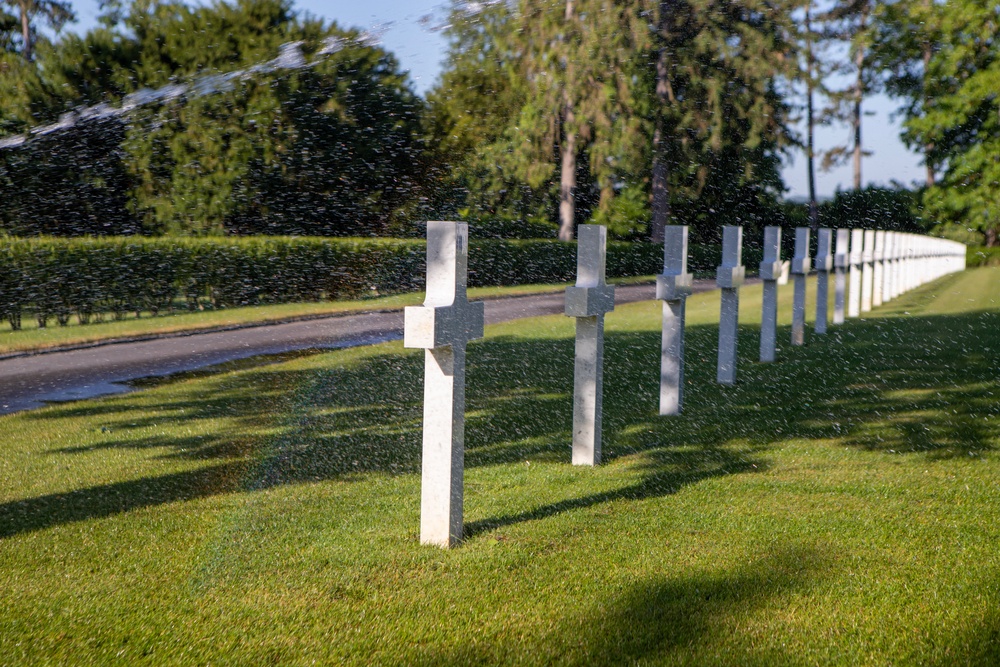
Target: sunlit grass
{"x":839,"y":506}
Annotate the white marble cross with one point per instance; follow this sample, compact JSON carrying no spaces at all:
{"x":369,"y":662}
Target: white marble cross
{"x":824,"y":264}
{"x":867,"y":270}
{"x":673,"y":287}
{"x":888,"y":266}
{"x":588,"y":301}
{"x":841,"y":260}
{"x":854,"y":273}
{"x":878,"y":269}
{"x":729,"y":276}
{"x":801,"y":264}
{"x":904,"y":264}
{"x":770,"y":271}
{"x":443,"y":326}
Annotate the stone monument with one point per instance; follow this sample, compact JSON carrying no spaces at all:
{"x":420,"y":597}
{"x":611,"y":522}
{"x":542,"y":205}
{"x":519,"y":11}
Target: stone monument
{"x":888,"y":266}
{"x":673,"y":287}
{"x":824,"y":264}
{"x":801,"y":264}
{"x":770,"y":272}
{"x":854,"y":273}
{"x":878,"y":268}
{"x":867,"y":270}
{"x":841,"y":260}
{"x":588,"y":301}
{"x":443,"y":326}
{"x":729,"y":276}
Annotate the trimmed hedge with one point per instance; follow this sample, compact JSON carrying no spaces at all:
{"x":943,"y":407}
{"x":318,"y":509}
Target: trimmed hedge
{"x":982,"y":256}
{"x":55,"y":278}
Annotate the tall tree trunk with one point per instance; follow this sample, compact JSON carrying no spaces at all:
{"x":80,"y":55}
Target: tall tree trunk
{"x":661,"y":189}
{"x":811,"y":125}
{"x":25,"y":30}
{"x":929,"y":146}
{"x":859,"y":91}
{"x":813,"y":205}
{"x":567,"y":176}
{"x":859,"y":60}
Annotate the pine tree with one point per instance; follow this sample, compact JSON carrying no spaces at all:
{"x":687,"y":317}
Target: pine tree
{"x":53,"y":13}
{"x":809,"y":37}
{"x":670,"y":106}
{"x":851,"y":22}
{"x":906,"y":36}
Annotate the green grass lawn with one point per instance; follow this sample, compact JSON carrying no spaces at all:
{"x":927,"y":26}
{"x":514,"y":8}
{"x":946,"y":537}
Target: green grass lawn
{"x":840,"y":506}
{"x":30,"y":337}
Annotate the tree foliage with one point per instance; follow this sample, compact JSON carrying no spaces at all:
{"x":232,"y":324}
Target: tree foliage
{"x":724,"y":121}
{"x":330,"y":148}
{"x":245,"y":117}
{"x":944,"y":64}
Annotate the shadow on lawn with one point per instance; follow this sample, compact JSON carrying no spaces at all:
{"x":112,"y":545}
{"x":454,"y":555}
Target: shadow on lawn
{"x":979,"y":645}
{"x":679,"y":615}
{"x":921,"y":384}
{"x":671,"y":619}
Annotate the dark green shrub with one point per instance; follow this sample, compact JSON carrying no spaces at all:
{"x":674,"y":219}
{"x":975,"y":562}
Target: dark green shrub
{"x":982,"y":256}
{"x":90,"y":276}
{"x":873,"y":207}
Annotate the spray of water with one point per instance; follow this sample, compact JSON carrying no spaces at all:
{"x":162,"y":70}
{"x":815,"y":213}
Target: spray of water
{"x":290,"y":57}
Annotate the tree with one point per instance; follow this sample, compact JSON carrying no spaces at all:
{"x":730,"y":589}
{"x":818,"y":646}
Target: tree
{"x":809,"y":38}
{"x":479,"y":94}
{"x":68,"y":183}
{"x":906,"y":35}
{"x":959,"y":117}
{"x":549,"y":37}
{"x":53,"y":13}
{"x":720,"y":122}
{"x":223,"y":140}
{"x":697,"y":81}
{"x":850,"y":21}
{"x":538,"y":63}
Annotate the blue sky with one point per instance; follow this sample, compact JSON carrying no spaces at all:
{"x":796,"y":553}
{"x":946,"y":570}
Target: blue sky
{"x":420,"y":49}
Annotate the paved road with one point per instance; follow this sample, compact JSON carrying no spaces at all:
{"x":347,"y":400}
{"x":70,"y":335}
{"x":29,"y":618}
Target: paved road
{"x":31,"y":381}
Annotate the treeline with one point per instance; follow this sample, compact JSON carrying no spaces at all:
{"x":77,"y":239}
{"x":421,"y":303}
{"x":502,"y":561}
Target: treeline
{"x":246,"y":117}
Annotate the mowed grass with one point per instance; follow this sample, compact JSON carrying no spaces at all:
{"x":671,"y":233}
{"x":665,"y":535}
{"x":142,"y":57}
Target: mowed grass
{"x":839,"y":506}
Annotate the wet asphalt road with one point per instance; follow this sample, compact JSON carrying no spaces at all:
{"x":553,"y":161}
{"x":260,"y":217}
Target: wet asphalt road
{"x":31,"y":381}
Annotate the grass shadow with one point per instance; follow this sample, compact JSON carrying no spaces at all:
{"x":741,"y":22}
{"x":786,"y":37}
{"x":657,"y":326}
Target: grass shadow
{"x":670,"y":615}
{"x":901,"y":384}
{"x":668,"y":619}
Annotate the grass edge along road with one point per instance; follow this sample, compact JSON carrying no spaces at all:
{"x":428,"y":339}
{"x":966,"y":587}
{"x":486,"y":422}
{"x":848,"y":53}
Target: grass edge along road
{"x":33,"y":339}
{"x":839,"y":506}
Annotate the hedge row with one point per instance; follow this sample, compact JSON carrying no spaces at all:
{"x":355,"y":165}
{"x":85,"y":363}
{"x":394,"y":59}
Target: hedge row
{"x":54,"y":278}
{"x":982,"y":256}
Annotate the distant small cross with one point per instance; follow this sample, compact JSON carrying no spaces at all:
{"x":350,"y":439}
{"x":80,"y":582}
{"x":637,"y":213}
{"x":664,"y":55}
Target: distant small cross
{"x":728,"y":277}
{"x":801,"y":263}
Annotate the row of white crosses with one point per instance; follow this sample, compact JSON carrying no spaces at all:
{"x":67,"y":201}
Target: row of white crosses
{"x":879,"y":266}
{"x":886,"y":265}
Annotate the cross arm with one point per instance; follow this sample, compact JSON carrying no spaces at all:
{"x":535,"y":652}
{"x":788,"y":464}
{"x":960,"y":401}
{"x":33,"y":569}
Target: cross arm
{"x":431,"y":327}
